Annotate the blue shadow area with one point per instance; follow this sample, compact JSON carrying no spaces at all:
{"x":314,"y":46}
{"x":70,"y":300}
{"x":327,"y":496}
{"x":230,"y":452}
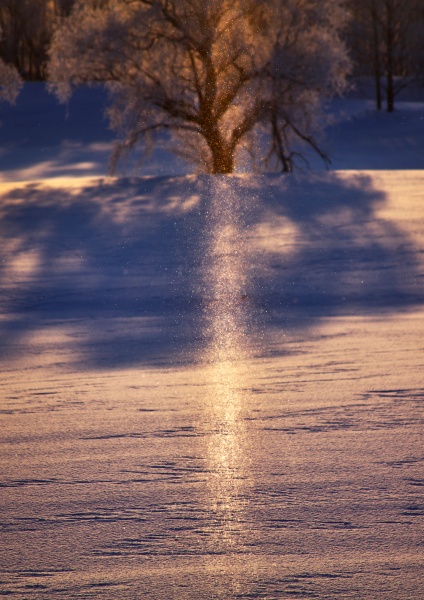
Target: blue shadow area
{"x":40,"y":137}
{"x":39,"y":132}
{"x":344,"y":260}
{"x":122,"y":262}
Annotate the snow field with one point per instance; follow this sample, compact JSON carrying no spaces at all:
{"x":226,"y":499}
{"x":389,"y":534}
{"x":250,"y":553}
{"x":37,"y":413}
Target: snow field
{"x":210,"y":387}
{"x":148,"y":455}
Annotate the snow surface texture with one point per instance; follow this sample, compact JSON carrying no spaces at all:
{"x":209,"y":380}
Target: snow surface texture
{"x":212,"y":387}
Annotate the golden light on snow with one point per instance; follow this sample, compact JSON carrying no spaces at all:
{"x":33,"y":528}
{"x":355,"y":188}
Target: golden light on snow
{"x":226,"y":452}
{"x":226,"y":279}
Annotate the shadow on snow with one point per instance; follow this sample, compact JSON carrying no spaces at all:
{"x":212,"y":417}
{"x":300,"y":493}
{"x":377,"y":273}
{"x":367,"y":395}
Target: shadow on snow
{"x":121,"y":263}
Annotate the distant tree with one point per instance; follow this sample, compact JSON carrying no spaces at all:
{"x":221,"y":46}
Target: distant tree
{"x":10,"y":81}
{"x":388,"y":35}
{"x":218,"y":74}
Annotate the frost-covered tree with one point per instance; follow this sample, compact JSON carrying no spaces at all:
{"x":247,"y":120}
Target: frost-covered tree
{"x":219,"y":75}
{"x":10,"y":81}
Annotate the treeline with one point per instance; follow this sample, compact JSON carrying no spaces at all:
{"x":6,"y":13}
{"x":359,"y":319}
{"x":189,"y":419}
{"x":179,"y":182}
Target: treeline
{"x":385,"y":39}
{"x":26,"y":29}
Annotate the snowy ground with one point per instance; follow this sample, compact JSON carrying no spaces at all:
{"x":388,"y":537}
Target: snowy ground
{"x":199,"y":401}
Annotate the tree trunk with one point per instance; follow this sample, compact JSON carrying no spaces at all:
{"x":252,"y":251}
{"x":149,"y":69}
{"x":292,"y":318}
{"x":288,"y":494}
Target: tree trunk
{"x":222,"y":153}
{"x":377,"y":80}
{"x":390,"y":96}
{"x":377,"y":58}
{"x":284,"y":158}
{"x":390,"y":93}
{"x":223,"y":163}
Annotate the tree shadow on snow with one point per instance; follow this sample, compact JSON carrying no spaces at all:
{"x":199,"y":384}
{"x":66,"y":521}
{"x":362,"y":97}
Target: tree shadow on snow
{"x":340,"y":258}
{"x":121,"y":264}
